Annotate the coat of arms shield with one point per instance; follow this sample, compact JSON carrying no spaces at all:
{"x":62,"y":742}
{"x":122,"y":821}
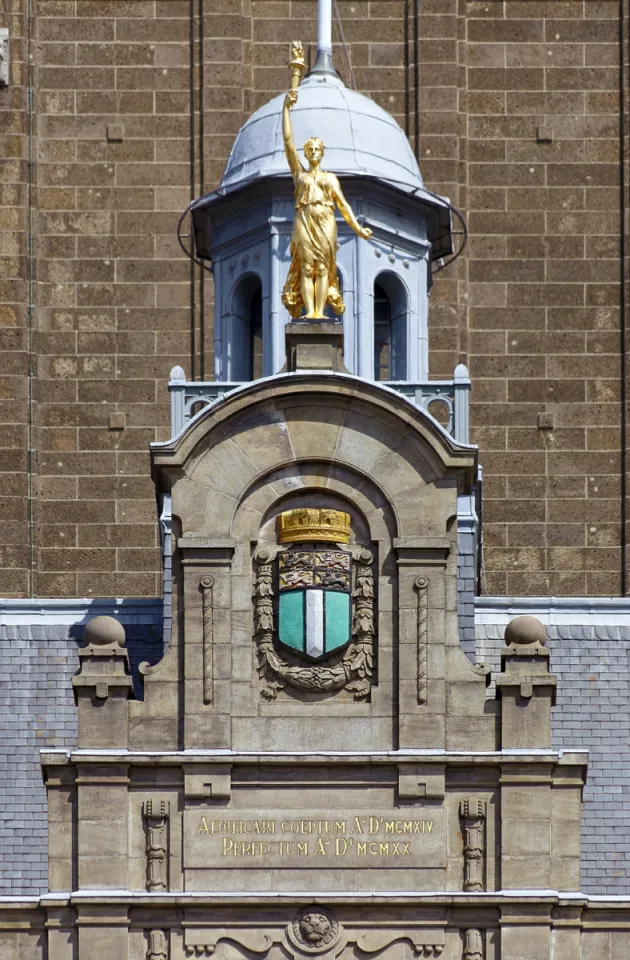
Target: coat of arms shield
{"x":314,"y":600}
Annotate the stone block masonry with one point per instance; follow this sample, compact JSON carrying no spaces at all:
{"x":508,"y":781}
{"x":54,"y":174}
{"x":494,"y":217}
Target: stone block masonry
{"x":541,"y":179}
{"x":134,"y":106}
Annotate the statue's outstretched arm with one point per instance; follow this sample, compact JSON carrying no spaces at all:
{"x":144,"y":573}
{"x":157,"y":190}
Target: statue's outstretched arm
{"x":347,"y":213}
{"x":287,"y":135}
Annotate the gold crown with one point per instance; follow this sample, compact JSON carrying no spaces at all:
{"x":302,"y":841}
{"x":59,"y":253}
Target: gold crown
{"x":296,"y":526}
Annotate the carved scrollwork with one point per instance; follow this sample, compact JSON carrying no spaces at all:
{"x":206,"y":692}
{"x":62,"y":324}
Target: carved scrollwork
{"x":353,"y":672}
{"x":377,"y":940}
{"x":203,"y":942}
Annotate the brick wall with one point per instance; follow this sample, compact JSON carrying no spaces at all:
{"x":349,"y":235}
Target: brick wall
{"x":543,"y":195}
{"x":515,"y":110}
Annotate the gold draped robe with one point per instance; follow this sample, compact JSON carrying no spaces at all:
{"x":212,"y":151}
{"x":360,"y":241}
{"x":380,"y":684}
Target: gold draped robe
{"x":314,"y":238}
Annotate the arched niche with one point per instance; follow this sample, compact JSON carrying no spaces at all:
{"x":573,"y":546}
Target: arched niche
{"x":385,"y":441}
{"x":246,"y":341}
{"x":391,"y":309}
{"x":309,"y":483}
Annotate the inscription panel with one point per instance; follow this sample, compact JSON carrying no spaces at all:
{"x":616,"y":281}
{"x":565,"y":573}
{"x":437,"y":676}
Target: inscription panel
{"x":394,"y":839}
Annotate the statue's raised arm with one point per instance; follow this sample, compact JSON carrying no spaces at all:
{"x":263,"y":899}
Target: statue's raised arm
{"x":297,"y":65}
{"x":287,"y":135}
{"x":312,"y":281}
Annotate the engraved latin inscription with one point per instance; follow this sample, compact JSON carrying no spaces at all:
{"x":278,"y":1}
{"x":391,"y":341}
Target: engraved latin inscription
{"x":293,"y":839}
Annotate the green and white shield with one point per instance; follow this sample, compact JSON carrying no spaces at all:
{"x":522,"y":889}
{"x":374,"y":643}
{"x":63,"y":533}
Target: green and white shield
{"x":314,"y":600}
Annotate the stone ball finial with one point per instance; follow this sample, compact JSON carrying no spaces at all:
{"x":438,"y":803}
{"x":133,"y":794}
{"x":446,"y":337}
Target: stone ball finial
{"x":103,"y":632}
{"x":525,"y":631}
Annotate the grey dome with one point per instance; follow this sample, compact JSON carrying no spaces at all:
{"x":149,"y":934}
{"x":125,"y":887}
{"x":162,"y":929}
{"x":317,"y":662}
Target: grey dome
{"x":360,"y":137}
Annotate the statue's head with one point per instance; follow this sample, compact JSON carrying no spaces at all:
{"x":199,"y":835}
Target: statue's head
{"x":314,"y":149}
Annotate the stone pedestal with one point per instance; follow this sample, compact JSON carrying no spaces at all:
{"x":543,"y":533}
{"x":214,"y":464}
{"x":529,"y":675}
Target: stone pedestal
{"x":102,"y":688}
{"x":526,"y":688}
{"x":315,"y":346}
{"x":103,"y":685}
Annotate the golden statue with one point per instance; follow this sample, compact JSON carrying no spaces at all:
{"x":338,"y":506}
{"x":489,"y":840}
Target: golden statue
{"x":312,"y":281}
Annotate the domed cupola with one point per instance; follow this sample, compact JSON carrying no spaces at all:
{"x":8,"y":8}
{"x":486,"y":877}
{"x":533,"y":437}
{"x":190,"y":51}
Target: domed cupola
{"x":245,"y":228}
{"x":362,"y":139}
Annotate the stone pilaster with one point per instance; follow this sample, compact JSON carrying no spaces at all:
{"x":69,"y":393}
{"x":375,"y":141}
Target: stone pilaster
{"x":207,"y":567}
{"x":421,"y":610}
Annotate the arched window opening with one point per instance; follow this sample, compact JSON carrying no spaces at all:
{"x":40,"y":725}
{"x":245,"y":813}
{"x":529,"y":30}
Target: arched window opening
{"x":246,"y":347}
{"x":256,"y":337}
{"x":390,"y":329}
{"x":382,"y":334}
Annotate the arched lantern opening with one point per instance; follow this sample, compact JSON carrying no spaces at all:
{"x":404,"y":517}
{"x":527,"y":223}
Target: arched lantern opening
{"x":390,"y":328}
{"x":247,"y":326}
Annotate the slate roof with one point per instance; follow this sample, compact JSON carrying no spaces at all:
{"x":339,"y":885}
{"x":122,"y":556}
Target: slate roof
{"x":38,"y":660}
{"x":592,"y":663}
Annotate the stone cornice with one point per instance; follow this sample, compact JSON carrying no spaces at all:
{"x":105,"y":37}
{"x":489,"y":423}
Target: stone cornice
{"x":174,"y":758}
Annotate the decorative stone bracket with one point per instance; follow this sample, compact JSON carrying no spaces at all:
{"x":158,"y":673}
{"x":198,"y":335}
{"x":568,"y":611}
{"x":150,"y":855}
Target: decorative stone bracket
{"x":156,"y":815}
{"x":158,"y":945}
{"x":473,"y":814}
{"x":473,"y":945}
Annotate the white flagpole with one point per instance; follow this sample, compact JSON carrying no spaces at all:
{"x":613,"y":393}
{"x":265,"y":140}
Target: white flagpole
{"x":324,"y":27}
{"x":324,"y":62}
